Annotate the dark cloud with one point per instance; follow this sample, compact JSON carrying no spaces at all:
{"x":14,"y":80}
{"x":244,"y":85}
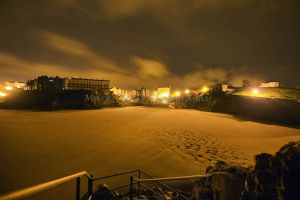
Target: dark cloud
{"x":182,"y":42}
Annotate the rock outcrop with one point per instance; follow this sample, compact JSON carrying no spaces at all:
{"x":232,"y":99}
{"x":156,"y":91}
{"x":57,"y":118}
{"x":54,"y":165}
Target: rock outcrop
{"x":103,"y":192}
{"x":274,"y":177}
{"x":226,"y":182}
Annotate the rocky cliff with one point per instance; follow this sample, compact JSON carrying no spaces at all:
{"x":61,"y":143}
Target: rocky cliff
{"x":274,"y":177}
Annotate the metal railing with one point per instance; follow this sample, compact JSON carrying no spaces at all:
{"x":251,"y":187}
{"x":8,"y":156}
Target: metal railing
{"x":120,"y":174}
{"x":30,"y":191}
{"x":172,"y":178}
{"x":139,"y":181}
{"x":133,"y":192}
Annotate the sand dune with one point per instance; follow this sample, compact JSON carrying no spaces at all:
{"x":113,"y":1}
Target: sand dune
{"x":39,"y":146}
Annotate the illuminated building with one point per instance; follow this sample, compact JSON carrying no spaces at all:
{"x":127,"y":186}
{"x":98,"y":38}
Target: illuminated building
{"x":116,"y":91}
{"x":163,"y":92}
{"x":46,"y":83}
{"x":220,"y":88}
{"x":86,"y":84}
{"x":144,"y":92}
{"x":11,"y":85}
{"x":57,"y":84}
{"x":130,"y":93}
{"x":272,"y":84}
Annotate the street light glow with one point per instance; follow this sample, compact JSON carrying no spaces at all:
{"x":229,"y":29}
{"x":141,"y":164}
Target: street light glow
{"x":177,"y":94}
{"x":205,"y":89}
{"x":255,"y":91}
{"x":165,"y":95}
{"x":3,"y":94}
{"x":187,"y":91}
{"x":8,"y":88}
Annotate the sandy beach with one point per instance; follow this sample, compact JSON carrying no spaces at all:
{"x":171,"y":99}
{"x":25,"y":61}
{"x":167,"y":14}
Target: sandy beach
{"x":40,"y":146}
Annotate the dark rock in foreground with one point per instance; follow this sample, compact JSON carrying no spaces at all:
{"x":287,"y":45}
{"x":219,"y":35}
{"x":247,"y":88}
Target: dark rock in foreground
{"x":103,"y":192}
{"x":272,"y":178}
{"x":226,"y":182}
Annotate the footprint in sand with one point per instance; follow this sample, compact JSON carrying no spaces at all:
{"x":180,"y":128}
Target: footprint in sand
{"x":202,"y":148}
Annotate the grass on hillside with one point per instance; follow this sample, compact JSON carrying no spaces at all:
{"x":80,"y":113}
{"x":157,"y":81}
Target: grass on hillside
{"x":281,"y":93}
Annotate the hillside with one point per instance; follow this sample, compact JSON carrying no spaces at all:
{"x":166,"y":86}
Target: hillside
{"x":280,"y":93}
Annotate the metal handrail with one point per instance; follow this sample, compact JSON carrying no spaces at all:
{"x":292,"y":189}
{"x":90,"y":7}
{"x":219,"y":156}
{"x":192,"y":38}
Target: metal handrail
{"x":30,"y":191}
{"x":151,"y":179}
{"x":114,"y":175}
{"x":167,"y":186}
{"x":172,"y":178}
{"x":155,"y":193}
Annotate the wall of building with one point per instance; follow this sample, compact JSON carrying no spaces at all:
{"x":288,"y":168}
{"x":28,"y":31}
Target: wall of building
{"x":57,"y":84}
{"x":270,"y":84}
{"x":86,"y":84}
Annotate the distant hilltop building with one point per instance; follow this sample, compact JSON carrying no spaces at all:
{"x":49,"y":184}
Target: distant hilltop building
{"x":163,"y":92}
{"x":56,"y":83}
{"x":117,"y":91}
{"x":14,"y":84}
{"x":131,"y":94}
{"x":220,"y":87}
{"x":272,"y":84}
{"x":144,"y":92}
{"x":86,"y":84}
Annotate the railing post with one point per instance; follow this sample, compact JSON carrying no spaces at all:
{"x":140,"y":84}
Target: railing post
{"x":90,"y":186}
{"x":131,"y":188}
{"x":138,"y":186}
{"x":78,"y":188}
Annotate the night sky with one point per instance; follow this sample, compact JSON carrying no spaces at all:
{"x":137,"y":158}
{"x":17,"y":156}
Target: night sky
{"x":182,"y":43}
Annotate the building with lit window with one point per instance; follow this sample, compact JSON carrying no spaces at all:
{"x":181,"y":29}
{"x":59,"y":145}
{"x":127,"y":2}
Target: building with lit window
{"x":86,"y":84}
{"x":46,"y":83}
{"x":163,"y":92}
{"x":14,"y":84}
{"x":117,"y":91}
{"x":272,"y":84}
{"x":220,"y":87}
